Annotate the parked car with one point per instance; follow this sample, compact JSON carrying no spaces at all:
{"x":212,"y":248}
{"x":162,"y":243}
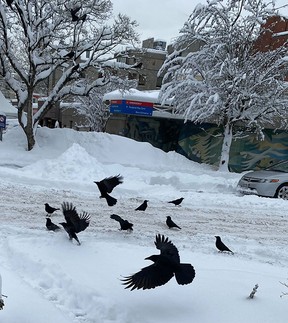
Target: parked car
{"x":269,"y":182}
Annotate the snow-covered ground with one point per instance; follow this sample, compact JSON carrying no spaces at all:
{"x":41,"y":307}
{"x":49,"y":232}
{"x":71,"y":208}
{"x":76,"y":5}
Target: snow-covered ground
{"x":48,"y":278}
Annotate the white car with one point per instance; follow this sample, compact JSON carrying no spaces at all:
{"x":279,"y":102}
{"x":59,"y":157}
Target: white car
{"x":269,"y":182}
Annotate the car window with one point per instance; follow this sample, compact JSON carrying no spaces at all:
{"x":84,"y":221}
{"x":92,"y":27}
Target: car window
{"x":279,"y":167}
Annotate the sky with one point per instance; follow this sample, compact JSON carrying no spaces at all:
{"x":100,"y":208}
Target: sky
{"x":162,"y":19}
{"x":48,"y":278}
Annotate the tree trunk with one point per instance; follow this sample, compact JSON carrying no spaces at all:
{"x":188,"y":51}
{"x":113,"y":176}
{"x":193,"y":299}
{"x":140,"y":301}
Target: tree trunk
{"x":26,"y":121}
{"x":226,"y":145}
{"x":30,"y":137}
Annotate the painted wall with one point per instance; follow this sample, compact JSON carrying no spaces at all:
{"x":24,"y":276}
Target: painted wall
{"x":202,"y":143}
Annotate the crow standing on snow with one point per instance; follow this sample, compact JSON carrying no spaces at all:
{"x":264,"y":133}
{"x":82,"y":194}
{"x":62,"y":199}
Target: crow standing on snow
{"x":221,"y":246}
{"x":107,"y":185}
{"x":171,"y":223}
{"x":177,"y":202}
{"x":165,"y":266}
{"x":124,"y":224}
{"x":143,"y":206}
{"x":49,"y":209}
{"x":51,"y":226}
{"x":74,"y":223}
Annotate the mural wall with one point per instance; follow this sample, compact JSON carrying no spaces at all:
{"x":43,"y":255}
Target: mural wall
{"x":202,"y":142}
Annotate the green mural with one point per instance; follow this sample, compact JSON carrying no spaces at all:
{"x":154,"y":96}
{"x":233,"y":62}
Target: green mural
{"x":202,"y":142}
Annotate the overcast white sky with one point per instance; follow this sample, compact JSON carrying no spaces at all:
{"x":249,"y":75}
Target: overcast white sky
{"x":162,"y":19}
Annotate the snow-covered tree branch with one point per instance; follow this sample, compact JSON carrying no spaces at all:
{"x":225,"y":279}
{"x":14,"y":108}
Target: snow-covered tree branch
{"x":43,"y":45}
{"x":228,"y":81}
{"x":92,"y":107}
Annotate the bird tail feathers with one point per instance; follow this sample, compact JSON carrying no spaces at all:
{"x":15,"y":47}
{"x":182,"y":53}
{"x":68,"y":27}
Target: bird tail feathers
{"x":185,"y":274}
{"x":110,"y":200}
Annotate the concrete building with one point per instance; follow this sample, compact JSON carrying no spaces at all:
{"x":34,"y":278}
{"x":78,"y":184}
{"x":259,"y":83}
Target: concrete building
{"x":145,"y":63}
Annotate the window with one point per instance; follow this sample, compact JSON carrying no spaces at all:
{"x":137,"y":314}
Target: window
{"x":142,"y":79}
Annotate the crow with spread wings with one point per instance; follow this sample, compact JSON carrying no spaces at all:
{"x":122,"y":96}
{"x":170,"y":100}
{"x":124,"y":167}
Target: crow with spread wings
{"x":107,"y":185}
{"x":164,"y":267}
{"x":74,"y":223}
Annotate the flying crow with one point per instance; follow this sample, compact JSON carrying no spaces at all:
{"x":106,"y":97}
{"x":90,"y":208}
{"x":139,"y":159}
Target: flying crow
{"x":221,"y":246}
{"x":74,"y":223}
{"x":51,"y":226}
{"x":49,"y":209}
{"x":142,"y":207}
{"x":164,"y":267}
{"x":124,"y":224}
{"x":177,"y":202}
{"x":171,"y":223}
{"x":107,"y":185}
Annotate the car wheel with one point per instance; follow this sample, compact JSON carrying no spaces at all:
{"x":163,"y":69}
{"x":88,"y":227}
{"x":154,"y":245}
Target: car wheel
{"x":282,"y":192}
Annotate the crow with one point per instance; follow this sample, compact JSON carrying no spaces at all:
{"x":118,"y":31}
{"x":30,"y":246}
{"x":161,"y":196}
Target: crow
{"x":124,"y":224}
{"x":74,"y":15}
{"x":164,"y":267}
{"x":137,"y":65}
{"x":49,"y":209}
{"x":221,"y":246}
{"x":107,"y":185}
{"x":9,"y":3}
{"x":74,"y":12}
{"x":170,"y":223}
{"x":51,"y":226}
{"x":142,"y":207}
{"x":75,"y":68}
{"x":69,"y":54}
{"x":177,"y":202}
{"x":74,"y":223}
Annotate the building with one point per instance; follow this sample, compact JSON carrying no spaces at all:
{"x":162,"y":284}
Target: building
{"x":202,"y":143}
{"x":144,"y":63}
{"x":274,"y":34}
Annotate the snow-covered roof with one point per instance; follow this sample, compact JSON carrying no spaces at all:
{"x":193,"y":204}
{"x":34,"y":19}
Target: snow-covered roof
{"x":133,"y":94}
{"x":6,"y":108}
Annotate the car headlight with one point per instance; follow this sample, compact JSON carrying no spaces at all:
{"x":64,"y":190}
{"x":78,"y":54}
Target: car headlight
{"x":264,"y":180}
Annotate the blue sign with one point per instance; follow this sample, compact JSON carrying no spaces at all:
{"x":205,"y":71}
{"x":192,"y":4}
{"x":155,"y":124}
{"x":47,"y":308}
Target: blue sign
{"x":2,"y":121}
{"x":131,"y":107}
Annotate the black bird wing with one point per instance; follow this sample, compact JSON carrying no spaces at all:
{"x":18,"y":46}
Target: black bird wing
{"x":149,"y":277}
{"x":107,"y":184}
{"x":140,"y":207}
{"x":117,"y":218}
{"x":167,"y":248}
{"x":172,"y":224}
{"x":177,"y":201}
{"x":223,"y":247}
{"x":79,"y":223}
{"x":125,"y":225}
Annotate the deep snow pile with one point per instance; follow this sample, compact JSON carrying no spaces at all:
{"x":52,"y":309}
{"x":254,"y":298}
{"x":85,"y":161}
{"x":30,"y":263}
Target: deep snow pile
{"x":49,"y":279}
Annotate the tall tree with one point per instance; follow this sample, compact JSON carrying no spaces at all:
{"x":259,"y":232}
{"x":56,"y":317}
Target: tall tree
{"x":228,"y":80}
{"x":43,"y":43}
